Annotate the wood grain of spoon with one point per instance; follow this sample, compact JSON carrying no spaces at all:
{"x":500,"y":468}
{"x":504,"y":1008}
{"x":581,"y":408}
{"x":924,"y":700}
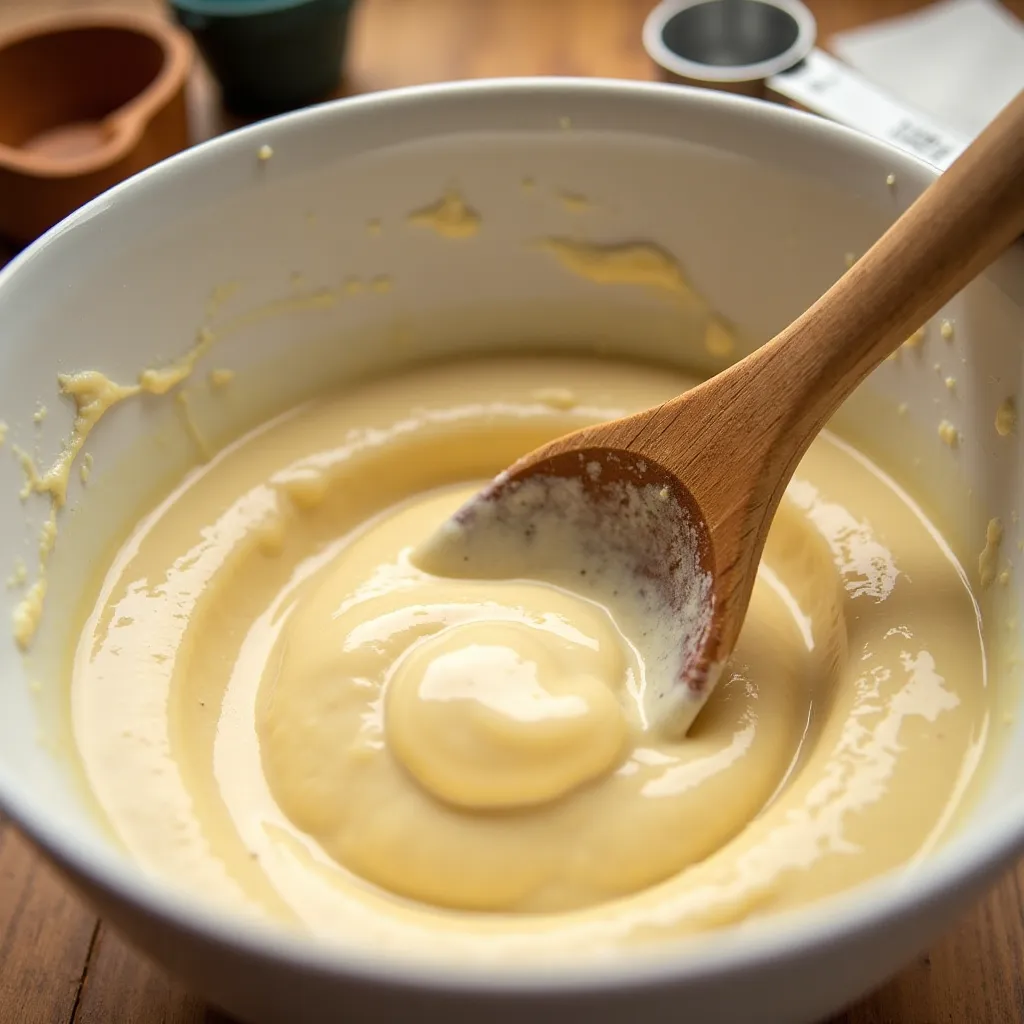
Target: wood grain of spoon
{"x":721,"y":455}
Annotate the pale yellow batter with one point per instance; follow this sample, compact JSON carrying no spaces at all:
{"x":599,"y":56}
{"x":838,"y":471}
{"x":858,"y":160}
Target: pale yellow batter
{"x":278,"y":709}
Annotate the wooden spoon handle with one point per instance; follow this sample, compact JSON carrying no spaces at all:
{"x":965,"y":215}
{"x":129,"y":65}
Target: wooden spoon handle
{"x":954,"y":230}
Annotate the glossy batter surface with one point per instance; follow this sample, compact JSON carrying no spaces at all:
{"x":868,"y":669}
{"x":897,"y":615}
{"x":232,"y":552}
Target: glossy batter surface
{"x":276,"y":707}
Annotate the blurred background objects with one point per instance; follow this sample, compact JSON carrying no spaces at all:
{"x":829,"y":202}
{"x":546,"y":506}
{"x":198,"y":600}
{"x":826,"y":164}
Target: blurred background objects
{"x":951,"y":64}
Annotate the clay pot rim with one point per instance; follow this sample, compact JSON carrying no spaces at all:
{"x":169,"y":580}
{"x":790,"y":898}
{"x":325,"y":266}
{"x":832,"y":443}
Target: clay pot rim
{"x":128,"y":121}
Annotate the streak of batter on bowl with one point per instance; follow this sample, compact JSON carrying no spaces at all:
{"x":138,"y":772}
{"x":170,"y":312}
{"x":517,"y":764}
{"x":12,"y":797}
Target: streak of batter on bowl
{"x":280,"y":710}
{"x":94,"y":394}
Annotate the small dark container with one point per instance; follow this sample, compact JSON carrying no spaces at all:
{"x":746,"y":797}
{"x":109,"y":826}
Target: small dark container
{"x":269,"y":56}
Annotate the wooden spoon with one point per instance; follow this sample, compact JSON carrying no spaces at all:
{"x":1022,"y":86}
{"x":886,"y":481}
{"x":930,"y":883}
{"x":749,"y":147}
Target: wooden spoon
{"x":720,"y":456}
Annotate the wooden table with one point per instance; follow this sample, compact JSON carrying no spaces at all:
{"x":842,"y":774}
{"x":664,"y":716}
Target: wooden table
{"x":58,"y":963}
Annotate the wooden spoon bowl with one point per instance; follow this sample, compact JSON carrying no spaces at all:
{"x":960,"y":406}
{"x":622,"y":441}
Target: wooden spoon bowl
{"x":724,"y":452}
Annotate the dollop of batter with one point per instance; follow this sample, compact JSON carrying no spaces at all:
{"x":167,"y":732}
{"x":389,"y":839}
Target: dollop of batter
{"x":278,"y":706}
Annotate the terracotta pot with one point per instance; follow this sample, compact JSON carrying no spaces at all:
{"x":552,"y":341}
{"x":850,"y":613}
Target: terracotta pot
{"x":86,"y":100}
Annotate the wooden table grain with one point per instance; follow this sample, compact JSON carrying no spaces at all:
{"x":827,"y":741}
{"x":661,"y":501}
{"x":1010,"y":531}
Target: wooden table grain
{"x":58,"y":963}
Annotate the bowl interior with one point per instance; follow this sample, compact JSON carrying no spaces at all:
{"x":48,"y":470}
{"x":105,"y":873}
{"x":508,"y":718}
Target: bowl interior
{"x":761,"y":208}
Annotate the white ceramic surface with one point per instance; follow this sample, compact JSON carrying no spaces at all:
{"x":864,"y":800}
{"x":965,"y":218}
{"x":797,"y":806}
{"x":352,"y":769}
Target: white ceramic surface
{"x":761,"y":205}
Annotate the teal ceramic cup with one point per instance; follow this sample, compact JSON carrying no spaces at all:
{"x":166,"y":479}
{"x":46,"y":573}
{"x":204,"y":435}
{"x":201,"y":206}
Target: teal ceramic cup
{"x":269,"y":55}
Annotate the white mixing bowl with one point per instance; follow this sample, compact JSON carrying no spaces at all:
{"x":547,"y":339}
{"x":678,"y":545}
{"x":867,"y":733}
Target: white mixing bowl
{"x":761,"y":205}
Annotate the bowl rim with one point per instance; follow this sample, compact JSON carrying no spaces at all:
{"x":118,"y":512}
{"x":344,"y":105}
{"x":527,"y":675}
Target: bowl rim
{"x":964,"y":863}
